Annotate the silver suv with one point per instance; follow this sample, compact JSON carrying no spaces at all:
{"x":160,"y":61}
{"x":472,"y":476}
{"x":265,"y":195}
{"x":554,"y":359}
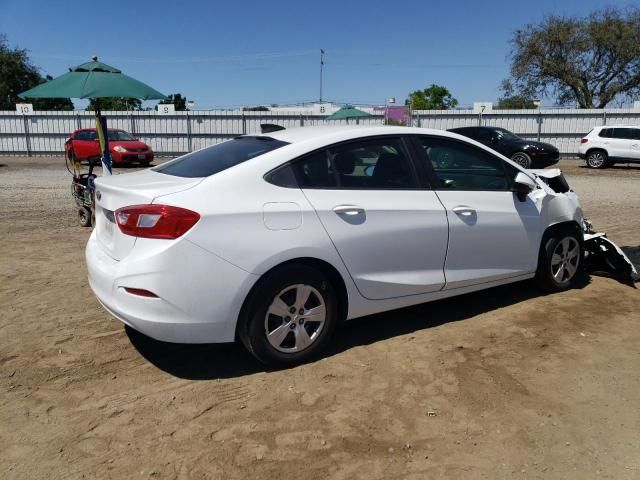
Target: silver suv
{"x":610,"y":144}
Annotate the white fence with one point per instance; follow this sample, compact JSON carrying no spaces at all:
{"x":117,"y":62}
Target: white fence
{"x":44,"y":133}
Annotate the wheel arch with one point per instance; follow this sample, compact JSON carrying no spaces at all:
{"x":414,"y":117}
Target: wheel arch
{"x":562,"y":227}
{"x":596,"y":149}
{"x":323,"y":266}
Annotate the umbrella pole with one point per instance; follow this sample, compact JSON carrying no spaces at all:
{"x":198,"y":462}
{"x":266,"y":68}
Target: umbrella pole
{"x":101,"y":128}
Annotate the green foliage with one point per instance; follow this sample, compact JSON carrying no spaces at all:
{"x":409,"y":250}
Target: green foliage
{"x":435,"y":97}
{"x":259,"y":108}
{"x":179,"y":102}
{"x":18,"y":74}
{"x":114,"y":104}
{"x":589,"y":61}
{"x":512,"y":100}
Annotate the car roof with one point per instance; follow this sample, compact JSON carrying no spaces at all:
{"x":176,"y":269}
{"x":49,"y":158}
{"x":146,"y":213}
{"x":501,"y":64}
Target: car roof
{"x":617,"y":126}
{"x":345,"y":132}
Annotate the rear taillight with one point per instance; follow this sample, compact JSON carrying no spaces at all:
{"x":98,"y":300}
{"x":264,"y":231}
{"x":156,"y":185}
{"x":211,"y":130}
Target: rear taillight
{"x":584,"y":140}
{"x":155,"y":221}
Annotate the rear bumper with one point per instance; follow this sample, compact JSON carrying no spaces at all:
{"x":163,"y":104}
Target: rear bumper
{"x":199,"y":294}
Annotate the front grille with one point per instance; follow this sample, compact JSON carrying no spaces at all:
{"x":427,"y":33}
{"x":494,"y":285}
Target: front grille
{"x":136,"y":149}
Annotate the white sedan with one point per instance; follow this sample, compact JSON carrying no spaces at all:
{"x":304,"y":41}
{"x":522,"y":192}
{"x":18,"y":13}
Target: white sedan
{"x":275,"y":239}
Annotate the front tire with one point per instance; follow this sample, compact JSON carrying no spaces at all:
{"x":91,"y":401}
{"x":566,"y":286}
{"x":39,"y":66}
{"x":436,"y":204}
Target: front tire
{"x":597,"y":159}
{"x":521,"y":159}
{"x":559,"y":262}
{"x":290,"y":316}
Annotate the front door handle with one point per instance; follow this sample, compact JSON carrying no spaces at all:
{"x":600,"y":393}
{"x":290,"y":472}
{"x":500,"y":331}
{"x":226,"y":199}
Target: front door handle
{"x":348,"y":210}
{"x":464,"y":210}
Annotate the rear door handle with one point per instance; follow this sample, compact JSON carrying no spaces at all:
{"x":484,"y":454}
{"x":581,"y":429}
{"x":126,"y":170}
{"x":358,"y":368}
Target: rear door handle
{"x":348,"y":210}
{"x":464,"y":210}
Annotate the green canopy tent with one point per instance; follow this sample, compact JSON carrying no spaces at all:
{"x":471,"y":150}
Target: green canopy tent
{"x":95,"y":80}
{"x":347,"y":112}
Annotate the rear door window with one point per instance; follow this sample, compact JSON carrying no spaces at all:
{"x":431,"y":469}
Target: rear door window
{"x":380,"y":164}
{"x":214,"y":159}
{"x":623,"y":133}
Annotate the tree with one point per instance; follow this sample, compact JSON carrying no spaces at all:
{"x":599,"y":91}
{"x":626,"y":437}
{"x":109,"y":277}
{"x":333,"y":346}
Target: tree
{"x":114,"y":104}
{"x":512,"y":100}
{"x":18,"y":74}
{"x":179,"y":102}
{"x":259,"y":108}
{"x":588,"y":61}
{"x":435,"y":97}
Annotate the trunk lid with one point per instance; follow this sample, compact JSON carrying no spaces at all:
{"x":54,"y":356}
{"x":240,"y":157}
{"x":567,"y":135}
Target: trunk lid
{"x":119,"y":191}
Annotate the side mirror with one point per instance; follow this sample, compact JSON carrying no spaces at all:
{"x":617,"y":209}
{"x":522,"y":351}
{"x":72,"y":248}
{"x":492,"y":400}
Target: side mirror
{"x":522,"y":185}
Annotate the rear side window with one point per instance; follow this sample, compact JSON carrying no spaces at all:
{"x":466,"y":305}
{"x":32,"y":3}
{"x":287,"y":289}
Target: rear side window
{"x":85,"y":135}
{"x":379,"y":164}
{"x":214,"y":159}
{"x":605,"y":133}
{"x":623,"y":133}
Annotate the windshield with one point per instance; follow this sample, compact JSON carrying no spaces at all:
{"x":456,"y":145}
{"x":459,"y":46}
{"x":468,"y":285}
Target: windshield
{"x":506,"y":134}
{"x":214,"y":159}
{"x":119,"y":135}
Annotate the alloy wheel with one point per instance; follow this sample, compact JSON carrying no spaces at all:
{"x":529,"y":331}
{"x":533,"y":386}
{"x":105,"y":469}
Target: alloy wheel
{"x":295,"y":318}
{"x":521,"y":159}
{"x":565,"y":260}
{"x":596,"y":160}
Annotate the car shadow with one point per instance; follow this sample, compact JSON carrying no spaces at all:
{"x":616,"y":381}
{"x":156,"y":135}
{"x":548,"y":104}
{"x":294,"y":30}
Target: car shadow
{"x":214,"y":361}
{"x":618,"y":166}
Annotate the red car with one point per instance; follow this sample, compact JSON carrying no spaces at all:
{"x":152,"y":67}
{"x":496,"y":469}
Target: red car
{"x":124,"y":147}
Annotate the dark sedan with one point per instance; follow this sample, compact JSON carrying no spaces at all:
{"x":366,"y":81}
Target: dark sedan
{"x":526,"y":153}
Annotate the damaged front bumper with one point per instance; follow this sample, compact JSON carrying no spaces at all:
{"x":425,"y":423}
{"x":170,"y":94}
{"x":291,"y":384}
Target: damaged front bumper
{"x":602,"y":255}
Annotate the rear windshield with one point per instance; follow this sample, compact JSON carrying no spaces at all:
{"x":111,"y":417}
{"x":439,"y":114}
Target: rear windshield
{"x":214,"y":159}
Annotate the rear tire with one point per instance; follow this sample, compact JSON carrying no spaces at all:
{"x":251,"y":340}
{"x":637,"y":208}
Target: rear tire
{"x":559,"y":262}
{"x":521,"y":159}
{"x":290,"y":316}
{"x":597,"y":159}
{"x":84,"y":217}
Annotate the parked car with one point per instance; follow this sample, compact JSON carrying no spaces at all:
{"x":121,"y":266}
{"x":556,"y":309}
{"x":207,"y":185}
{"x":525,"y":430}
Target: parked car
{"x":124,"y":147}
{"x":604,"y":146}
{"x":526,"y":153}
{"x":275,"y":239}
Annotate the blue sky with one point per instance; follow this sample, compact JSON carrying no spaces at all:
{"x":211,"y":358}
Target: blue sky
{"x":225,"y":54}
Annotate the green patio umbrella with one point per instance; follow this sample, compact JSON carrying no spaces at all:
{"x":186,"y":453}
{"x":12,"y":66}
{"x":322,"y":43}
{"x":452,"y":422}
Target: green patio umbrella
{"x":346,"y":112}
{"x":95,"y":80}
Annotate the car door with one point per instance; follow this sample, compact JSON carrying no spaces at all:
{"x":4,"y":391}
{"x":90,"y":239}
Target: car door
{"x":390,"y":231}
{"x":635,"y":144}
{"x":616,"y":143}
{"x":492,"y":234}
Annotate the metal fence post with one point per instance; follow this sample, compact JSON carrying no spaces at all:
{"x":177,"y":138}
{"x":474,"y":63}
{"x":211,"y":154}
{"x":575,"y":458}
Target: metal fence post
{"x":27,"y":137}
{"x":479,"y":119}
{"x":244,"y":124}
{"x":604,"y":116}
{"x":132,"y":120}
{"x":78,"y":121}
{"x":189,"y":137}
{"x":539,"y":125}
{"x":301,"y":121}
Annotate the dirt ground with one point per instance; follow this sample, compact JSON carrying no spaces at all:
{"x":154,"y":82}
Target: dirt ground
{"x":506,"y":383}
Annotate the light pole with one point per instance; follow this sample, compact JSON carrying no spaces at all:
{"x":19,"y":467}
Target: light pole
{"x":321,"y":71}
